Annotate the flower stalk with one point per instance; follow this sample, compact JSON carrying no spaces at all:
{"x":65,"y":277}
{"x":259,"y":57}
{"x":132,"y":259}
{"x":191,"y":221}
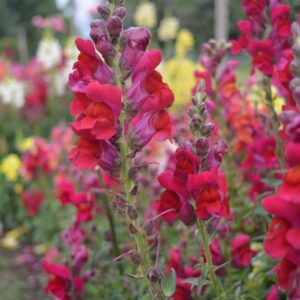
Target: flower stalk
{"x":140,"y":236}
{"x":209,"y":264}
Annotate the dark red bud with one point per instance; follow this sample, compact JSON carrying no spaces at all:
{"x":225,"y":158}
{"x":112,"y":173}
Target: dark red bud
{"x":135,"y":257}
{"x":132,"y":229}
{"x":120,"y":12}
{"x":132,"y":212}
{"x":104,"y":11}
{"x":154,"y":275}
{"x":114,"y":26}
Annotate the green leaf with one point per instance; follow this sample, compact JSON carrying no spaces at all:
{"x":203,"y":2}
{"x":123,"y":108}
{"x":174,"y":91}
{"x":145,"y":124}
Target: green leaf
{"x":135,"y":276}
{"x":147,"y":297}
{"x":272,"y":182}
{"x":169,"y":283}
{"x":192,"y":280}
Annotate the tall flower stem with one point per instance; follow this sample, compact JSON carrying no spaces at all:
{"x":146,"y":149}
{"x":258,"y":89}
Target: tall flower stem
{"x":140,"y":236}
{"x":205,"y":241}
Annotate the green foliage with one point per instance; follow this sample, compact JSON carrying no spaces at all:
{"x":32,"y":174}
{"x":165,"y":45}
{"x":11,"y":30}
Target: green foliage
{"x":17,"y":14}
{"x":169,"y":283}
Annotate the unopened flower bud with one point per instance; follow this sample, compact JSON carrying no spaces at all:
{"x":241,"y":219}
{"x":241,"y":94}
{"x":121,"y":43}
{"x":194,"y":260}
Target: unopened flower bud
{"x":104,"y":11}
{"x":107,"y":235}
{"x":121,"y":202}
{"x":134,"y":190}
{"x":96,"y":23}
{"x":132,"y":212}
{"x":114,"y":27}
{"x":120,"y":12}
{"x":135,"y":257}
{"x":132,"y":229}
{"x":295,"y":67}
{"x":187,"y":214}
{"x":208,"y":129}
{"x":199,"y":99}
{"x":220,"y":149}
{"x":195,"y":124}
{"x":192,"y":111}
{"x":154,"y":275}
{"x":201,"y":86}
{"x":132,"y":173}
{"x":107,"y":50}
{"x":88,"y":274}
{"x":202,"y":146}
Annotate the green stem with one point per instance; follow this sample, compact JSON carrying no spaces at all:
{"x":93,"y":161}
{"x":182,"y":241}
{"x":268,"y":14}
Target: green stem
{"x":140,"y":237}
{"x":210,"y":266}
{"x":112,"y":227}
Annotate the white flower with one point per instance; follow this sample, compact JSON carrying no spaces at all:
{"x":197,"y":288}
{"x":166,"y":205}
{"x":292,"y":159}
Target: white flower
{"x":62,"y":76}
{"x":49,"y":52}
{"x":168,"y":28}
{"x":145,"y":15}
{"x":12,"y":92}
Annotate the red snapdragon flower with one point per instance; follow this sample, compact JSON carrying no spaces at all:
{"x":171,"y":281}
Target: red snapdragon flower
{"x":88,"y":67}
{"x":32,"y":201}
{"x":183,"y":289}
{"x":280,"y":19}
{"x":169,"y":200}
{"x":137,"y":40}
{"x":276,"y":244}
{"x":273,"y":294}
{"x":64,"y":189}
{"x":150,"y":97}
{"x":86,"y":154}
{"x":254,"y":7}
{"x":242,"y":253}
{"x":59,"y":281}
{"x":262,"y":55}
{"x":186,"y":163}
{"x":284,"y":270}
{"x":99,"y":111}
{"x":237,"y":46}
{"x":175,"y":196}
{"x":209,"y":190}
{"x":37,"y":159}
{"x":84,"y":203}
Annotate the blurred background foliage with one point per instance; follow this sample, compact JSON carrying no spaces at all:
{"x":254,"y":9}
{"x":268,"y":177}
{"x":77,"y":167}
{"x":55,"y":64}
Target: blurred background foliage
{"x":195,"y":15}
{"x":16,"y":15}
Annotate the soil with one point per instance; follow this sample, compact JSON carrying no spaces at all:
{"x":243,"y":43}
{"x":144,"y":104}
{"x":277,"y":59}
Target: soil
{"x":16,"y":281}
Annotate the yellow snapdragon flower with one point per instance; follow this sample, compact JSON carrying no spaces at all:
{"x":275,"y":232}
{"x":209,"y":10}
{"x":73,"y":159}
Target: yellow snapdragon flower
{"x":179,"y":71}
{"x":40,"y":249}
{"x":278,"y":102}
{"x":10,"y":240}
{"x":145,"y":15}
{"x":10,"y":167}
{"x":258,"y":97}
{"x":26,"y":145}
{"x":168,"y":29}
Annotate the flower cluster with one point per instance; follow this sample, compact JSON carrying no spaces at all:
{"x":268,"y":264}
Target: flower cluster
{"x":99,"y":89}
{"x":281,"y":241}
{"x":184,"y":181}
